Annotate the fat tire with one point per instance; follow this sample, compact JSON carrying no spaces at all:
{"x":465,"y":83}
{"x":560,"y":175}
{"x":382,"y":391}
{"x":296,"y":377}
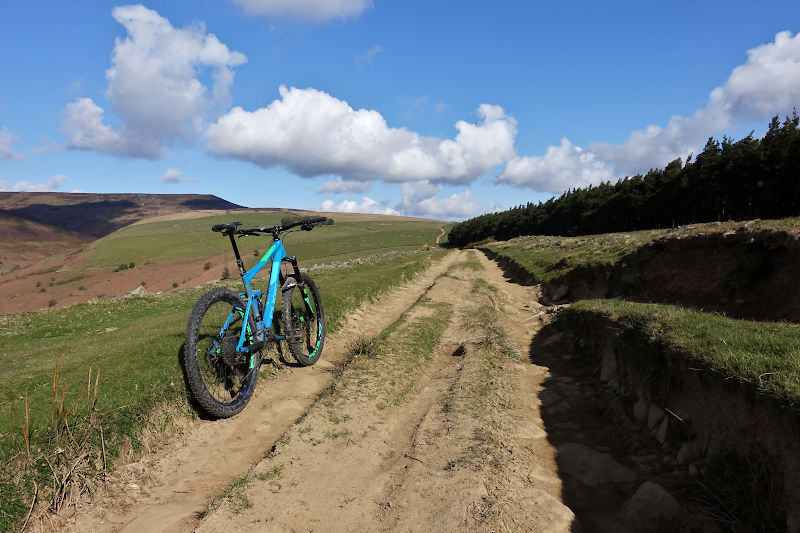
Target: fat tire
{"x":305,"y":347}
{"x":195,"y":382}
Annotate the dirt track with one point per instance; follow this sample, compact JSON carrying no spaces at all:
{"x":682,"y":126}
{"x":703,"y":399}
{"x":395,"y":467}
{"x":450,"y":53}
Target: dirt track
{"x":431,"y":457}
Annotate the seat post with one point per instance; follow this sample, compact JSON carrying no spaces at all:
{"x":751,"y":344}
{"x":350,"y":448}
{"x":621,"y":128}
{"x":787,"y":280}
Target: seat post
{"x":239,"y":262}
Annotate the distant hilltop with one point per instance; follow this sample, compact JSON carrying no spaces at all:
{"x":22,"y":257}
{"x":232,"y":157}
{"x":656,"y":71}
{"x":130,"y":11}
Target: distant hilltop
{"x":100,"y":214}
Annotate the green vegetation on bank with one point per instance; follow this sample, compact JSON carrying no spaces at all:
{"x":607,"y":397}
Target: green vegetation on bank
{"x":765,"y":355}
{"x":133,"y":345}
{"x":548,"y":258}
{"x":742,"y":180}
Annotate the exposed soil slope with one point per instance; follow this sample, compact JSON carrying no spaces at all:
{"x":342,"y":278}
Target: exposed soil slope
{"x":743,"y":273}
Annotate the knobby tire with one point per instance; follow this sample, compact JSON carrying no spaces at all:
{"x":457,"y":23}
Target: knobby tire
{"x":219,"y":379}
{"x":305,"y":334}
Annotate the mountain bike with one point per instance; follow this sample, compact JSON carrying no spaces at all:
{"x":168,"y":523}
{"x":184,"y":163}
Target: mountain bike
{"x":227,"y":331}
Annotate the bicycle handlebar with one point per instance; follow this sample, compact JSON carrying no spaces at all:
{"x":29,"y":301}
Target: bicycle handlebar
{"x":230,"y":228}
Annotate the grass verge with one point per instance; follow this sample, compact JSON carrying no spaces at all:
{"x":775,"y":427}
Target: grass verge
{"x":766,"y":355}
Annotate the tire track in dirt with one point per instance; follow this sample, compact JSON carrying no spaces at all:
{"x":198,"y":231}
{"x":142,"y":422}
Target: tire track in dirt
{"x":169,"y":491}
{"x":464,"y":450}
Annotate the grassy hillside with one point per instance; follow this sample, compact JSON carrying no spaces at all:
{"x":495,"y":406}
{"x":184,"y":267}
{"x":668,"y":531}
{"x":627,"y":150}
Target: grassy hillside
{"x":153,"y":242}
{"x":178,"y":251}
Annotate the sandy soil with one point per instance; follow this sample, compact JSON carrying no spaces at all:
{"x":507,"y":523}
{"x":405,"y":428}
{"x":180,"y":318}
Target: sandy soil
{"x":402,"y":467}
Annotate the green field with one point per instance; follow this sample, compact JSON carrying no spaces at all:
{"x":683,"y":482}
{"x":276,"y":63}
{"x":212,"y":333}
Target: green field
{"x":134,"y":344}
{"x":194,"y":239}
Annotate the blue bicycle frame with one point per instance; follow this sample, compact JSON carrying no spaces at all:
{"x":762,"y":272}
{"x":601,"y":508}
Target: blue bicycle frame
{"x":259,"y":308}
{"x":262,"y":309}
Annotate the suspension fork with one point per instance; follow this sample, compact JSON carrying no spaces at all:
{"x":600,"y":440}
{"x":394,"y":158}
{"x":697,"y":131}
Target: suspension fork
{"x":302,"y":286}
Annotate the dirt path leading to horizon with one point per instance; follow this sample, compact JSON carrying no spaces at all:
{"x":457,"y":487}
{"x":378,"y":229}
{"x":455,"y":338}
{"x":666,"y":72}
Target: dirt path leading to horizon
{"x":461,"y":445}
{"x":457,"y":444}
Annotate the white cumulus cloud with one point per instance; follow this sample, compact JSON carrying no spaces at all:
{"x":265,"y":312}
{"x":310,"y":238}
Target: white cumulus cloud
{"x":367,"y":205}
{"x":420,"y":199}
{"x":768,"y":83}
{"x":174,"y":175}
{"x":155,"y":87}
{"x":7,"y":140}
{"x":312,"y":10}
{"x":312,"y":133}
{"x":339,"y":185}
{"x":53,"y":184}
{"x":562,"y":167}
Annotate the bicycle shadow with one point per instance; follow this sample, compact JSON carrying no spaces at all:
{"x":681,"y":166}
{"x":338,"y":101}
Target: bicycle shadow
{"x":189,"y":398}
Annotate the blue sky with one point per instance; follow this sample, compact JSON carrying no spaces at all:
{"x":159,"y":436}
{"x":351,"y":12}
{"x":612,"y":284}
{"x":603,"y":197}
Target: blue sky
{"x":443,"y":109}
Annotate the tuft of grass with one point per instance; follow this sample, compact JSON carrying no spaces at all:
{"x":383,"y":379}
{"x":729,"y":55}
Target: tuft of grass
{"x":234,"y":494}
{"x":471,"y":263}
{"x":739,"y":493}
{"x":273,"y":473}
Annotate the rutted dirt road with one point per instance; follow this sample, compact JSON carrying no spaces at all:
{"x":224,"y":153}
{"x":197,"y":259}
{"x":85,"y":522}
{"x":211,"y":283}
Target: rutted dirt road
{"x":411,"y":436}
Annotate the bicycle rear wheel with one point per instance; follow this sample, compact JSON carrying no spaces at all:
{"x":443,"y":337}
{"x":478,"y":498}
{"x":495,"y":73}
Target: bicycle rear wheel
{"x":304,"y":320}
{"x":220,"y":379}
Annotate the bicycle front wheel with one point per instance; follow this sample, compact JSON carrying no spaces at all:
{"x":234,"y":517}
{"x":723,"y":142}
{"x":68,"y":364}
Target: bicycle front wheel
{"x":304,"y":320}
{"x":220,"y":379}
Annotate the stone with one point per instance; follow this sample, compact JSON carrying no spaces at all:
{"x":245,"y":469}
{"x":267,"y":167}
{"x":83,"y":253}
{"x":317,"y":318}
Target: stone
{"x":608,"y":365}
{"x":552,"y":339}
{"x":549,"y":397}
{"x":654,"y":416}
{"x":533,"y":305}
{"x":590,"y":467}
{"x":651,"y":508}
{"x":138,"y":291}
{"x":689,"y":452}
{"x":531,"y":431}
{"x":640,"y":411}
{"x":538,"y":503}
{"x":558,"y":292}
{"x":661,"y":434}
